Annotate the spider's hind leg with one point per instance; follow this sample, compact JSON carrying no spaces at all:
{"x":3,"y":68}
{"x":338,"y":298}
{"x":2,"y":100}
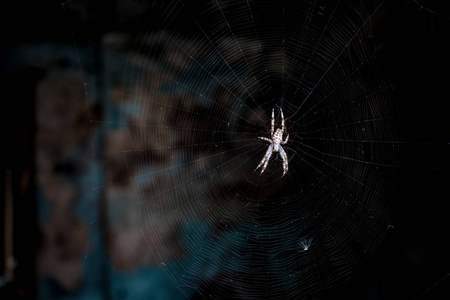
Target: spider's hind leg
{"x":265,"y":159}
{"x":285,"y":160}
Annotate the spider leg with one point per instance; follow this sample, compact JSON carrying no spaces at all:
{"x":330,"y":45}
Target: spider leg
{"x":272,"y":124}
{"x":285,"y":141}
{"x":282,"y":120}
{"x":268,"y":155}
{"x":285,"y":160}
{"x":265,"y":139}
{"x":265,"y":159}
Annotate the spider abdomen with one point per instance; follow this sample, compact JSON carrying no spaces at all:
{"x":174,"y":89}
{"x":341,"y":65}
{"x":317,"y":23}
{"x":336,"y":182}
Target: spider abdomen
{"x":277,"y":138}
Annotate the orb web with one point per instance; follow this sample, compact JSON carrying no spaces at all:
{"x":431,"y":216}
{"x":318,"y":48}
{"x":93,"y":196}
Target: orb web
{"x":200,"y":84}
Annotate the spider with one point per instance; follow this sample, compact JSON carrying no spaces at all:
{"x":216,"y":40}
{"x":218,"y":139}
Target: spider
{"x":276,"y":140}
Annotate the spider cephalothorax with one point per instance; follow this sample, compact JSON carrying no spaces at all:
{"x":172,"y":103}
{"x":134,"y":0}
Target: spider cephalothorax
{"x":276,"y":140}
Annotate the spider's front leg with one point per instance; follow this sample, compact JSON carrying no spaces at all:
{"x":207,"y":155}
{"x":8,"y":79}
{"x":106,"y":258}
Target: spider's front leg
{"x":265,"y":159}
{"x":272,"y":123}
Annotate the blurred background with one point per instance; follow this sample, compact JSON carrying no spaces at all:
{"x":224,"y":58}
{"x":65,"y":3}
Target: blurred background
{"x":63,"y":173}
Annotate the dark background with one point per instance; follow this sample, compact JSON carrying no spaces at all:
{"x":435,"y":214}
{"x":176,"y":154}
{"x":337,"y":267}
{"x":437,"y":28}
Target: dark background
{"x":413,"y":262}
